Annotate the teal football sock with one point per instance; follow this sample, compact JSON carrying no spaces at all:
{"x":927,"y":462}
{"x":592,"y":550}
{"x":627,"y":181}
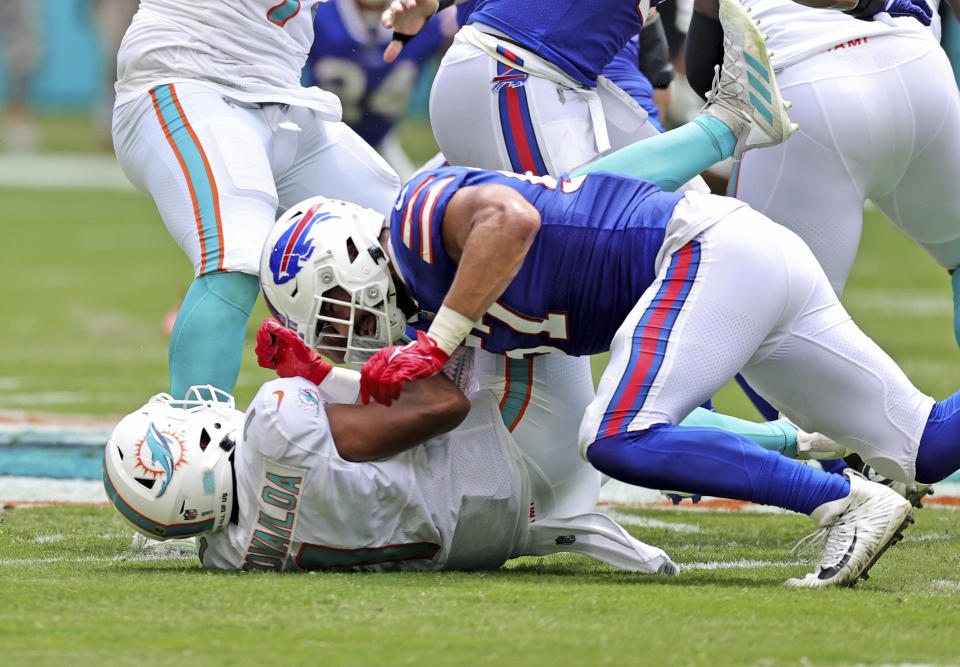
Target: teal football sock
{"x":672,"y":158}
{"x":778,"y":435}
{"x":206,"y":346}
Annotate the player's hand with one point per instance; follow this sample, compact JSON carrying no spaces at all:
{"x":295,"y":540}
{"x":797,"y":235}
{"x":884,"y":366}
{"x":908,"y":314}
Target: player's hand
{"x":406,"y":18}
{"x":818,"y":447}
{"x":281,"y":350}
{"x":918,"y":9}
{"x":385,"y":373}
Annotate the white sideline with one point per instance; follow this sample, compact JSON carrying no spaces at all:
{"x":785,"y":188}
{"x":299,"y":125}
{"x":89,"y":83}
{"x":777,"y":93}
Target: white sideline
{"x":63,"y":170}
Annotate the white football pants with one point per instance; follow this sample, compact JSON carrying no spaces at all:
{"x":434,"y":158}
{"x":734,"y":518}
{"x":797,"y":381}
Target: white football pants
{"x":219,"y":169}
{"x":878,"y":120}
{"x":747,"y":295}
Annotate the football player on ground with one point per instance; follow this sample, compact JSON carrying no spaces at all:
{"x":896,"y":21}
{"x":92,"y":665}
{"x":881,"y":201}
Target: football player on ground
{"x":308,"y":480}
{"x":685,"y":290}
{"x":212,"y":122}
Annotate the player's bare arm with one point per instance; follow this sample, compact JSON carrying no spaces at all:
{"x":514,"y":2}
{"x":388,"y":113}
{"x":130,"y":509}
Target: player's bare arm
{"x":488,"y":231}
{"x":426,"y":409}
{"x":363,"y":432}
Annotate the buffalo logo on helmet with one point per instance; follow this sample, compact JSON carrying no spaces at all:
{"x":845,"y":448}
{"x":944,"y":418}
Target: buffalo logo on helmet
{"x":295,"y":246}
{"x":160,"y":454}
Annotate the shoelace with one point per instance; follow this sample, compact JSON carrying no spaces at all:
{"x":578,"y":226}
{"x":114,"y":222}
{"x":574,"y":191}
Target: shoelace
{"x":808,"y":546}
{"x":732,"y":71}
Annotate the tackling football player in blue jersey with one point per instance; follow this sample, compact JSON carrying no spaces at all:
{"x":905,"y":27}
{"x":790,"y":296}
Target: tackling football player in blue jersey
{"x":685,"y":291}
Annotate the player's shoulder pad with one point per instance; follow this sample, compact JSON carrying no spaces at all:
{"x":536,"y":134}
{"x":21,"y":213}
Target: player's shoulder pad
{"x":285,"y":412}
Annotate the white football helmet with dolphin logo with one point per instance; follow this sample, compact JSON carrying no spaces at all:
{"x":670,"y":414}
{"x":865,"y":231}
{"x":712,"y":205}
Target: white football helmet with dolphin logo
{"x":320,"y":244}
{"x":167,"y":466}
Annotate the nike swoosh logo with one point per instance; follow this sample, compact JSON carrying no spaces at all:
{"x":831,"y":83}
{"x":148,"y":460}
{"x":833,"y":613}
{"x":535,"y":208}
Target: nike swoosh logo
{"x":279,"y":395}
{"x":826,"y":573}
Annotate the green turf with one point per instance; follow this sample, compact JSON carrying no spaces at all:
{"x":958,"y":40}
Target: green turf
{"x":73,"y":593}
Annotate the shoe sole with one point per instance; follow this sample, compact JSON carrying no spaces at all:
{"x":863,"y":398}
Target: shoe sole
{"x":764,"y":81}
{"x":895,"y":537}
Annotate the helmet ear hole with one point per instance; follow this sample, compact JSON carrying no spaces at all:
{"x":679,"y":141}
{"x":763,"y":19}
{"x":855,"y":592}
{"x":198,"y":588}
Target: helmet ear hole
{"x":146,"y":482}
{"x":204,"y":440}
{"x":352,"y":251}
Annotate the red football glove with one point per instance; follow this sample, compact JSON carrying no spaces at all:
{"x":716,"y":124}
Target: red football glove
{"x":385,"y":373}
{"x":281,"y":350}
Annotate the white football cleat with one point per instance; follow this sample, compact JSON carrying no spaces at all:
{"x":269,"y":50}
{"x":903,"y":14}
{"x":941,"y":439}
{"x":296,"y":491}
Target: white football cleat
{"x":745,"y":94}
{"x":855,"y":531}
{"x":914,"y":491}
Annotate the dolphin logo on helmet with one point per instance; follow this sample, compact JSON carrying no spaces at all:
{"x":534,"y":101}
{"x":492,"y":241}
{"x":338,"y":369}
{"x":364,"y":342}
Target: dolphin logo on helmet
{"x":160,"y":455}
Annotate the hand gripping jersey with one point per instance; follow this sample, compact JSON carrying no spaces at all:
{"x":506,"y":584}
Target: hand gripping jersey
{"x":458,"y":501}
{"x":347,"y":59}
{"x":580,"y":38}
{"x":593,"y":257}
{"x":250,"y":50}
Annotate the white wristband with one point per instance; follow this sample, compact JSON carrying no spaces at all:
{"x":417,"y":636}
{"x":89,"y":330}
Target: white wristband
{"x":449,"y":328}
{"x":342,"y":385}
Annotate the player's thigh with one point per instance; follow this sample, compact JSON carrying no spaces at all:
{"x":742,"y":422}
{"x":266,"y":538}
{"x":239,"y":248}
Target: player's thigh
{"x":808,"y":184}
{"x":516,"y":121}
{"x":716,"y":302}
{"x":332,"y":160}
{"x":542,"y":400}
{"x":925,"y":200}
{"x":826,"y":375}
{"x":205,"y":163}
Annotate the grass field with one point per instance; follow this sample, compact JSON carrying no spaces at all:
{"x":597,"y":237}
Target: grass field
{"x":88,"y":276}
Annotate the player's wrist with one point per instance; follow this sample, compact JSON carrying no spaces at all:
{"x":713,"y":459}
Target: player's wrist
{"x":340,"y":385}
{"x":318,"y":370}
{"x":449,"y":328}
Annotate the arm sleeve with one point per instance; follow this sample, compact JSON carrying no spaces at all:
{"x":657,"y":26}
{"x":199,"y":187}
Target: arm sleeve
{"x":654,"y":58}
{"x":704,"y":50}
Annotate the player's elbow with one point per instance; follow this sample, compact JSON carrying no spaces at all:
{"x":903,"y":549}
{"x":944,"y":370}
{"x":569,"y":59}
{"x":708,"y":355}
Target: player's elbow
{"x":517,"y":221}
{"x":450,"y":410}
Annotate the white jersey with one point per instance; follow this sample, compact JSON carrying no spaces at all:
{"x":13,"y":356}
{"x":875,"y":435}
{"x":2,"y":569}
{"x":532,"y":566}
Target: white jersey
{"x":249,"y":50}
{"x":797,"y":32}
{"x":458,"y":501}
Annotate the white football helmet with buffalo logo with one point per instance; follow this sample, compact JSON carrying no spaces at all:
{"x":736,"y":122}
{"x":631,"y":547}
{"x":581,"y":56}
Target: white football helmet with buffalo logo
{"x":324,"y":243}
{"x":167,"y":466}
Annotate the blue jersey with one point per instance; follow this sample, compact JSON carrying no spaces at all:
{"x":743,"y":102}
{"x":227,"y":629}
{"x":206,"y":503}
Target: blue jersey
{"x":580,"y":38}
{"x":589,"y":264}
{"x":347,"y":59}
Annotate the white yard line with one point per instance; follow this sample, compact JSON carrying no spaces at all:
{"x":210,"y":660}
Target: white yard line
{"x":42,"y":489}
{"x":743,"y":563}
{"x":628,"y":519}
{"x":55,"y":170}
